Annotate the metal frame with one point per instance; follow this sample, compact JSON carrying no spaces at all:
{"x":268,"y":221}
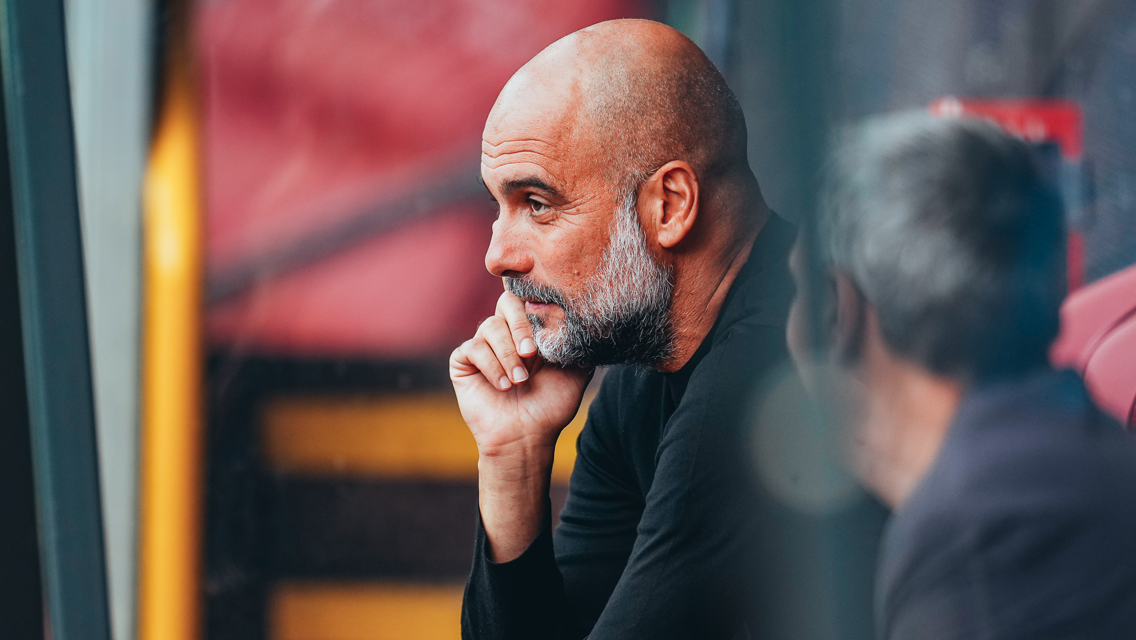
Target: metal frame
{"x":49,"y":256}
{"x":21,"y":603}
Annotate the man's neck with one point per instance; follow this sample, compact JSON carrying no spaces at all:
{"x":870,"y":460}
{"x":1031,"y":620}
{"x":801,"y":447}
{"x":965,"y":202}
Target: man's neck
{"x":902,"y":426}
{"x":701,"y":287}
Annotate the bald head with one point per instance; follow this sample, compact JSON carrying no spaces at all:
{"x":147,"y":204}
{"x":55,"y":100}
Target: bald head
{"x":637,"y":94}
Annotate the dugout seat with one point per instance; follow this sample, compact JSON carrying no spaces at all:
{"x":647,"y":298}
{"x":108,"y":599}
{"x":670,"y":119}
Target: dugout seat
{"x":1090,"y":313}
{"x":1110,"y":372}
{"x":1098,"y":340}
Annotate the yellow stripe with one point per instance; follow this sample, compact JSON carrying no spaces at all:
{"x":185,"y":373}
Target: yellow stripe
{"x":366,"y":611}
{"x":171,"y":441}
{"x":410,"y":436}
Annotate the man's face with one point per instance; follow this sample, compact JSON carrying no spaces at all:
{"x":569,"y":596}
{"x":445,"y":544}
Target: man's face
{"x":623,"y":314}
{"x":817,"y":365}
{"x":829,"y":382}
{"x":592,"y":290}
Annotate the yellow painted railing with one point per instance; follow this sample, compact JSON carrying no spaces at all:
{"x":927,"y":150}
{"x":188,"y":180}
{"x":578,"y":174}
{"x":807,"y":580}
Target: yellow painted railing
{"x":170,"y":522}
{"x":365,"y":611}
{"x":396,"y":436}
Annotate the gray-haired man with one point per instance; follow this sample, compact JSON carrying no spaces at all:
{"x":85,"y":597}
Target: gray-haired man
{"x":1014,"y":500}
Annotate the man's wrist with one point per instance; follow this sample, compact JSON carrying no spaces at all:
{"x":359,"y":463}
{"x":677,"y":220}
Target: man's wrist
{"x":512,"y":492}
{"x":519,"y":462}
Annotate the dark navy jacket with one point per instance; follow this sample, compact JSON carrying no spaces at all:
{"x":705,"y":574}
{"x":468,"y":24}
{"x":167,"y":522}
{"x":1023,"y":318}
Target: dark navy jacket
{"x":1025,"y":526}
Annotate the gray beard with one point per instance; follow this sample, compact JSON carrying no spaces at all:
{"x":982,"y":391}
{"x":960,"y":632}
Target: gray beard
{"x":623,"y":315}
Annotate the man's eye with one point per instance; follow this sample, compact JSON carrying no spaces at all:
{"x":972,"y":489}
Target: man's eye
{"x":539,"y":208}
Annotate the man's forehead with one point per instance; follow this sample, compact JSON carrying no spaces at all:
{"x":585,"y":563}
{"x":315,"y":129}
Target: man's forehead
{"x":507,"y":178}
{"x":529,"y":142}
{"x":521,"y":117}
{"x":520,"y":158}
{"x":536,"y":136}
{"x":534,"y":104}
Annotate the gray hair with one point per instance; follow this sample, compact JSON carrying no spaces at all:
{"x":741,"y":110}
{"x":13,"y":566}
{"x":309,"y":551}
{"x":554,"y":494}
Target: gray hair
{"x":955,"y":238}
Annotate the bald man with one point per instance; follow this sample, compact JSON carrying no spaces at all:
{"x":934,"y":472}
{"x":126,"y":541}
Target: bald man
{"x":631,"y":232}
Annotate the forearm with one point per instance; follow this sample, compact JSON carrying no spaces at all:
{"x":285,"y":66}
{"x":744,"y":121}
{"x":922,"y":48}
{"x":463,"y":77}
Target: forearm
{"x":515,"y":591}
{"x":521,"y":599}
{"x":513,"y":495}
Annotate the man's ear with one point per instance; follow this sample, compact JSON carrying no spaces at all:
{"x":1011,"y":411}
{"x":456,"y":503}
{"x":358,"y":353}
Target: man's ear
{"x":849,"y":319}
{"x":674,"y":190}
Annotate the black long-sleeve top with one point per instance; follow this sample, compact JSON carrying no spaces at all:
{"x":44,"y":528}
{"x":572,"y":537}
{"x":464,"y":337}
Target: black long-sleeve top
{"x":654,"y":540}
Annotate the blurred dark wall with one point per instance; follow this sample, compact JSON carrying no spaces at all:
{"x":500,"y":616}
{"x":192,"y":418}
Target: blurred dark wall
{"x":901,"y":54}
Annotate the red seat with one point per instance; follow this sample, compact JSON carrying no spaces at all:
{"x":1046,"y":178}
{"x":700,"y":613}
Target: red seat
{"x":1110,"y":372}
{"x":1090,"y":314}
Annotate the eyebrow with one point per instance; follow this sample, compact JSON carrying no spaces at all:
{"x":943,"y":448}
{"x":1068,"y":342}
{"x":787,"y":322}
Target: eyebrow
{"x":509,"y":187}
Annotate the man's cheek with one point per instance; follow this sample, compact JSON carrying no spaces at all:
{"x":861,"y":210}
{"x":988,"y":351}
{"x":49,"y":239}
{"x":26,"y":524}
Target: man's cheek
{"x":796,"y":338}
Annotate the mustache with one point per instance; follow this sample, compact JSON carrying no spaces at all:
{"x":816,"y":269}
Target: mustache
{"x":526,"y":288}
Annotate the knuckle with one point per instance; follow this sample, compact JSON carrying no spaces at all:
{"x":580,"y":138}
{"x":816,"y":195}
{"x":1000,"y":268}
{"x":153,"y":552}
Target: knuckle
{"x":471,"y":354}
{"x":503,"y":340}
{"x":506,"y":349}
{"x":478,"y":345}
{"x":488,"y":326}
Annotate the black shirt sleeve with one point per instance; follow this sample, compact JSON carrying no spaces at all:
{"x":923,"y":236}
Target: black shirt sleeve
{"x":522,"y":598}
{"x":526,"y":598}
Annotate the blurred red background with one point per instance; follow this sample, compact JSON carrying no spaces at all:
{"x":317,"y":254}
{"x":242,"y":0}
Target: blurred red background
{"x":342,"y":141}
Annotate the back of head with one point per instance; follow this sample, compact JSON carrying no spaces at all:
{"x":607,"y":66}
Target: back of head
{"x":954,"y":237}
{"x":657,"y":97}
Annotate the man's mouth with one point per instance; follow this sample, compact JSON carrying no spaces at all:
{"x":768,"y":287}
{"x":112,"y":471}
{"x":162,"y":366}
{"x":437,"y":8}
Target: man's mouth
{"x":537,"y":307}
{"x":539,"y":300}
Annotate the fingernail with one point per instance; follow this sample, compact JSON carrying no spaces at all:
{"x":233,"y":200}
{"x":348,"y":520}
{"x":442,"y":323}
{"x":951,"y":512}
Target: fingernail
{"x":528,"y":346}
{"x":519,"y":374}
{"x":504,"y":383}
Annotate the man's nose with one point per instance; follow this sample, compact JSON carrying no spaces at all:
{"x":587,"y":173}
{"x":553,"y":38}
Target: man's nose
{"x":507,"y":254}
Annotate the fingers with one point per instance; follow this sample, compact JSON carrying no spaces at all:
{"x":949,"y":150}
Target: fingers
{"x":496,"y":333}
{"x":477,"y":353}
{"x":512,"y":310}
{"x":501,"y":347}
{"x":492,"y":353}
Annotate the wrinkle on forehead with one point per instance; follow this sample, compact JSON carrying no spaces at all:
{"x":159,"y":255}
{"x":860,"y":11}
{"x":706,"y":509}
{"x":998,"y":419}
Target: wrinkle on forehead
{"x":513,"y":164}
{"x":514,"y":147}
{"x":532,"y":124}
{"x":525,"y":143}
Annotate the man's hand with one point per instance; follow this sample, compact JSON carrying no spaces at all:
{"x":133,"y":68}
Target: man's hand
{"x":516,"y":405}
